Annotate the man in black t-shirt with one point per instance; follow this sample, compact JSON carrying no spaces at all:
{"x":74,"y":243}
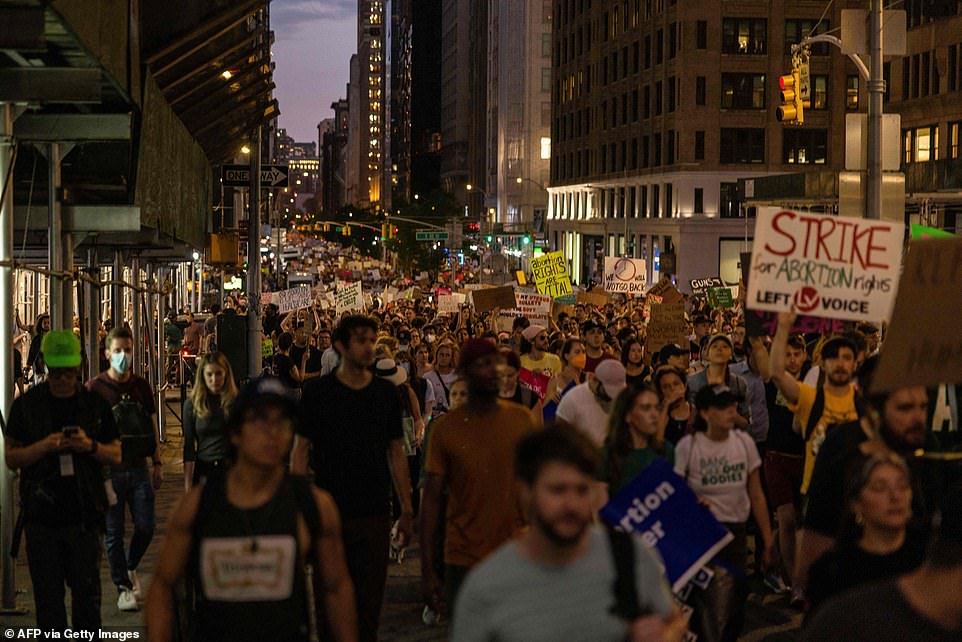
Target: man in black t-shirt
{"x":61,"y":436}
{"x":353,"y":421}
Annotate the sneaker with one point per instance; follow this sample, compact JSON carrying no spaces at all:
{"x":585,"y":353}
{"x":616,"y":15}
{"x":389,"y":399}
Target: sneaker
{"x":135,"y":581}
{"x":127,"y":601}
{"x":773,"y":580}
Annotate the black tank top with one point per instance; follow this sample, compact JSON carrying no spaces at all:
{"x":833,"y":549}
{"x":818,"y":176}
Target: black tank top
{"x":247,"y":568}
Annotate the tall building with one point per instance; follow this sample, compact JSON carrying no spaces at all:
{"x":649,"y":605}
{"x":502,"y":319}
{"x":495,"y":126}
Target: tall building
{"x":519,"y":110}
{"x":926,"y":91}
{"x":355,"y":158}
{"x":333,"y":159}
{"x":460,"y":104}
{"x":660,"y":107}
{"x":401,"y":77}
{"x":426,"y":138}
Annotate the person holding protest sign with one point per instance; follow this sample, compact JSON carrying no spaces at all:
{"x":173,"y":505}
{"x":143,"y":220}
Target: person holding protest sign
{"x":633,"y":439}
{"x":817,"y":413}
{"x":722,"y":466}
{"x":555,"y":581}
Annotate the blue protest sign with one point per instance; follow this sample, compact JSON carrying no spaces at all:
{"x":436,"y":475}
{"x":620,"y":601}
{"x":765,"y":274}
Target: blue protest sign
{"x":659,"y":506}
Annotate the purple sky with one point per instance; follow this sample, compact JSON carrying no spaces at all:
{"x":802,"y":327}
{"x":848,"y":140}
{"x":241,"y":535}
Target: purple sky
{"x":314,"y":41}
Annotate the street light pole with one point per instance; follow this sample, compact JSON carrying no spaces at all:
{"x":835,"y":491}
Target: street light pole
{"x":876,"y":92}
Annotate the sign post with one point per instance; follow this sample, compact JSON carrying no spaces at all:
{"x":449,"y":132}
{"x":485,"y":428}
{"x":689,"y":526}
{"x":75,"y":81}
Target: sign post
{"x":240,"y":175}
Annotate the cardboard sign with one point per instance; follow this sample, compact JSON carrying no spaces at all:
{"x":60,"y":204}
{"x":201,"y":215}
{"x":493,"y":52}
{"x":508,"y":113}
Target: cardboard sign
{"x":923,"y":346}
{"x":450,"y":303}
{"x":292,"y":299}
{"x":660,"y":507}
{"x":667,"y":325}
{"x":491,"y":298}
{"x":599,"y":299}
{"x":349,"y":298}
{"x":764,"y":324}
{"x":551,"y":274}
{"x":666,"y":291}
{"x":628,"y":276}
{"x":700,"y":286}
{"x":828,"y":266}
{"x":534,"y":307}
{"x":720,"y":298}
{"x":522,"y":279}
{"x":536,"y":382}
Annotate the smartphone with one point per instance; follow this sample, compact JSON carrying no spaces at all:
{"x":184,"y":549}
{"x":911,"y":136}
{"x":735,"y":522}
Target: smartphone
{"x":70,"y":431}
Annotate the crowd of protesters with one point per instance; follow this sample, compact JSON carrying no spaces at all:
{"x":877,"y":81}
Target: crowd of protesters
{"x":368,"y":430}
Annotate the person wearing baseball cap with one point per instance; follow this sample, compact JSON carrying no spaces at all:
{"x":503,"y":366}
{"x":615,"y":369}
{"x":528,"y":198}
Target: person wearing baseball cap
{"x":471,"y":452}
{"x":534,"y":352}
{"x":718,"y":351}
{"x":722,"y":466}
{"x":587,"y":405}
{"x":255,"y":502}
{"x":60,"y":436}
{"x":593,"y":334}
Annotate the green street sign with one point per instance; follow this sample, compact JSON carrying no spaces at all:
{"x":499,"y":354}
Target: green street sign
{"x":431,"y":235}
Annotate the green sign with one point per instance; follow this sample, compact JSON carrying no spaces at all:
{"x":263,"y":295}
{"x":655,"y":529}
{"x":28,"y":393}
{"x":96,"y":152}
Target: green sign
{"x":921,"y":231}
{"x":267,"y":348}
{"x":430,"y":235}
{"x":720,"y":298}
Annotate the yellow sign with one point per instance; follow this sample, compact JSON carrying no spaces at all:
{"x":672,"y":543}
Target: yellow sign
{"x":521,"y":278}
{"x":551,"y":275}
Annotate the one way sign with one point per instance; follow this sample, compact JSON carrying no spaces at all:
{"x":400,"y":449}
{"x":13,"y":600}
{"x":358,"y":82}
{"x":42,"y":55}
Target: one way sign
{"x":240,"y":175}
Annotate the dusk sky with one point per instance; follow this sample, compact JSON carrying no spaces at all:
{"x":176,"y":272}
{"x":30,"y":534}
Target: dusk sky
{"x":314,"y":41}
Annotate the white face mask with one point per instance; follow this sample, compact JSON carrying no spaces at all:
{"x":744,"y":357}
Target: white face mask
{"x":429,"y":338}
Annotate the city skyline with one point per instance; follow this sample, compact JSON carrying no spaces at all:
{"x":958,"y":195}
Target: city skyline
{"x":309,"y":78}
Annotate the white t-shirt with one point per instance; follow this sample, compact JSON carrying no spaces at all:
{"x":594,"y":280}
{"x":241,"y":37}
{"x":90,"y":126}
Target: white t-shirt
{"x":441,"y":400}
{"x":718,"y":472}
{"x":581,"y":409}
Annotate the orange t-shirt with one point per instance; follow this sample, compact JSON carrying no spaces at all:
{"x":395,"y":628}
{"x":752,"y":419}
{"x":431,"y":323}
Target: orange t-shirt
{"x":475,"y":456}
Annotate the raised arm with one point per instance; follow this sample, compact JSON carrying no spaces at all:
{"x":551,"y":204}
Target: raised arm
{"x":785,"y":382}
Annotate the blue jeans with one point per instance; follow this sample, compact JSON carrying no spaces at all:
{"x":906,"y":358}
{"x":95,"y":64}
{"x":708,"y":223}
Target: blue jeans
{"x":134,"y":488}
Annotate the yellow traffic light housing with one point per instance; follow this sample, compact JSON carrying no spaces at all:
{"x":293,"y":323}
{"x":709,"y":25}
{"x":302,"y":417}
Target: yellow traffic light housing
{"x":792,"y":109}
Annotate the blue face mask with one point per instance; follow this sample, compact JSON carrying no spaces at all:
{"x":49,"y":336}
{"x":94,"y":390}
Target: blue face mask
{"x":119,"y":361}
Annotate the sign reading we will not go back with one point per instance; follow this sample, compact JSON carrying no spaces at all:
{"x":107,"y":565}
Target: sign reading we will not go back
{"x":827,"y":266}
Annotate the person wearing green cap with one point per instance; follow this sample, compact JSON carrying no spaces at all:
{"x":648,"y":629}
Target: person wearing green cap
{"x":61,"y":436}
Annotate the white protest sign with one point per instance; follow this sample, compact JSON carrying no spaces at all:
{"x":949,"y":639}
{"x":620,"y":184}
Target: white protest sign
{"x":627,"y":276}
{"x":535,"y":307}
{"x":826,"y":266}
{"x":349,"y":298}
{"x":376,"y":274}
{"x":450,"y":303}
{"x":292,"y":299}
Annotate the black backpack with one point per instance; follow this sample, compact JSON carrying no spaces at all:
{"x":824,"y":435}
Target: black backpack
{"x":136,"y":430}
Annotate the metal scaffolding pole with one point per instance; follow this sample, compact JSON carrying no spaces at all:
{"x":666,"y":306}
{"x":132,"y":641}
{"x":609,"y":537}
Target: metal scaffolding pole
{"x":161,"y":358}
{"x":8,"y":595}
{"x":254,"y":260}
{"x":92,"y":316}
{"x":54,"y":236}
{"x":876,"y":93}
{"x":67,"y":287}
{"x":137,"y":323}
{"x":116,"y":290}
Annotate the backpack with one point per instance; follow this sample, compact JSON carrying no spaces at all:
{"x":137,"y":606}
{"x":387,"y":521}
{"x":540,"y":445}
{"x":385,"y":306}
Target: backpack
{"x":136,"y":430}
{"x":818,"y":408}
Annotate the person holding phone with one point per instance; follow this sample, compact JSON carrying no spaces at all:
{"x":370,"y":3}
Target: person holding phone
{"x":61,"y":436}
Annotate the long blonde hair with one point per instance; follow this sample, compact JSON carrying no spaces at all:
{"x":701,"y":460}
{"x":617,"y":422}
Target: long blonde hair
{"x":199,"y":394}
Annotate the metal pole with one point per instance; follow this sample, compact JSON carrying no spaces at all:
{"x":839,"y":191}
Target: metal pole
{"x":92,"y":317}
{"x":116,"y":290}
{"x":161,"y":358}
{"x":876,"y":91}
{"x":254,"y":358}
{"x":136,"y":320}
{"x":8,"y":595}
{"x":54,"y":234}
{"x":68,"y":286}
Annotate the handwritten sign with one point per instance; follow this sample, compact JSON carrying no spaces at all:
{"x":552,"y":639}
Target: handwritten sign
{"x":667,"y":325}
{"x":828,"y":266}
{"x":720,"y":298}
{"x":700,"y":286}
{"x":536,"y":382}
{"x":349,"y":298}
{"x":551,"y":275}
{"x":490,"y":298}
{"x":666,"y":291}
{"x":660,"y":507}
{"x":450,"y":303}
{"x":534,"y":307}
{"x":598,"y":299}
{"x":764,"y":324}
{"x":627,"y":276}
{"x":293,"y":299}
{"x":923,"y":346}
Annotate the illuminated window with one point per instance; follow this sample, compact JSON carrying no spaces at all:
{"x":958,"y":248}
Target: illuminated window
{"x":545,"y":148}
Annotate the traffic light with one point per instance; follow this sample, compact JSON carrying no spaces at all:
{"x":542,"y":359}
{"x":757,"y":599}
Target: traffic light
{"x":488,"y":238}
{"x":792,"y":108}
{"x":385,"y":231}
{"x":526,"y":239}
{"x":327,"y":227}
{"x":394,"y":231}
